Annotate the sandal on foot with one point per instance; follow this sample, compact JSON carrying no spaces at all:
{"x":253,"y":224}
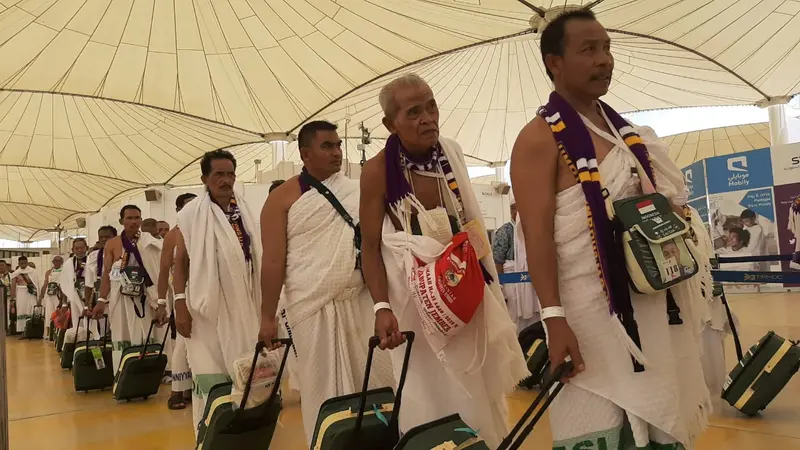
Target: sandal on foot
{"x":176,"y":402}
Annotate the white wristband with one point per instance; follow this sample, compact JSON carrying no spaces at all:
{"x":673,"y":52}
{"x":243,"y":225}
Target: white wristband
{"x":552,"y":311}
{"x":381,"y":305}
{"x":102,"y":300}
{"x":180,"y":296}
{"x":162,"y":302}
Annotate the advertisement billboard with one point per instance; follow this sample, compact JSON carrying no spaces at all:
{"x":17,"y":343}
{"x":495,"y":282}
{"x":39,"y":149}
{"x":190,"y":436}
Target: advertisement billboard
{"x":739,"y":171}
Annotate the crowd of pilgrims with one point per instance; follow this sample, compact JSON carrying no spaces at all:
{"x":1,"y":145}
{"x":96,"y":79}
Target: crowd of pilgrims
{"x":332,"y":261}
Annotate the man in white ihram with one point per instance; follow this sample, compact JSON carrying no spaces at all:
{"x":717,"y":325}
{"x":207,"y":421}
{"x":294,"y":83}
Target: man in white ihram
{"x":24,"y":286}
{"x":415,"y":196}
{"x":310,"y":248}
{"x":73,"y":284}
{"x":219,"y":254}
{"x":128,"y":286}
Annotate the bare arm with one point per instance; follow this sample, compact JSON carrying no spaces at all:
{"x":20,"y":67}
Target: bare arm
{"x":166,"y":264}
{"x":372,"y":211}
{"x":534,"y":169}
{"x":181,"y":270}
{"x":273,"y":241}
{"x":534,"y":174}
{"x":44,"y":286}
{"x":108,"y":261}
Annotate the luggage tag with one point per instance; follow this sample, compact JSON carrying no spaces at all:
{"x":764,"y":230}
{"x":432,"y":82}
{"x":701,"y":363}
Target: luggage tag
{"x":478,"y":238}
{"x":671,"y":269}
{"x":97,"y":354}
{"x":449,"y":445}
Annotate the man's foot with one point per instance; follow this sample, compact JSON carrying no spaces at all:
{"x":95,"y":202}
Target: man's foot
{"x":176,"y":401}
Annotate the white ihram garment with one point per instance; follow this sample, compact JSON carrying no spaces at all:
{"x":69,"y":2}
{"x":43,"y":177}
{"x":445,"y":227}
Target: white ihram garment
{"x":178,"y":356}
{"x":328,"y":307}
{"x":91,"y":276}
{"x":523,"y":304}
{"x":76,"y":305}
{"x":667,"y":402}
{"x":127,"y":328}
{"x":25,"y":300}
{"x":223,"y":294}
{"x":482,"y":363}
{"x":50,"y":302}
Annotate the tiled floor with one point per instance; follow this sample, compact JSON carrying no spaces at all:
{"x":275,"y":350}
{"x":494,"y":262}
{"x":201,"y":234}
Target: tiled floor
{"x":45,"y":412}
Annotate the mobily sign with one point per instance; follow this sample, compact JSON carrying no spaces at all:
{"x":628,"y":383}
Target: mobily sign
{"x":746,"y":170}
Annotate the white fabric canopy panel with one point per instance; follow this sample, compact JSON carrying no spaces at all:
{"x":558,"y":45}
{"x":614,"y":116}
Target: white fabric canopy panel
{"x":137,"y":90}
{"x":687,"y":148}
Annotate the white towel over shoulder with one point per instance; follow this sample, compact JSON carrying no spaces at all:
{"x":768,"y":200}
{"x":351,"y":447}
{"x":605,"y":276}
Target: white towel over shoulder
{"x":320,"y":255}
{"x":223,"y":287}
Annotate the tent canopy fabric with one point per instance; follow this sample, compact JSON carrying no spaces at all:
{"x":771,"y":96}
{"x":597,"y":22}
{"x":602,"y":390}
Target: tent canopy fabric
{"x":113,"y":95}
{"x":687,"y":148}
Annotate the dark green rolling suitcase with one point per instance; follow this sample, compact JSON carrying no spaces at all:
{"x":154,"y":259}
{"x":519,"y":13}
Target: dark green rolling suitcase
{"x":452,"y":432}
{"x":140,"y":369}
{"x":224,"y":427}
{"x":62,"y":333}
{"x":761,"y":374}
{"x":346,"y":423}
{"x":86,"y":374}
{"x":67,"y":349}
{"x":448,"y":432}
{"x":34,"y":327}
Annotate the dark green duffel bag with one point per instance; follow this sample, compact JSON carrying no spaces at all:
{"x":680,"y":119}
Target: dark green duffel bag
{"x":761,"y":374}
{"x":366,"y":419}
{"x":224,"y":427}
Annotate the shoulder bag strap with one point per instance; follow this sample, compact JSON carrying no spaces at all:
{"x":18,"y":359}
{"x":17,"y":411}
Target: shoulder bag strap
{"x":322,"y":189}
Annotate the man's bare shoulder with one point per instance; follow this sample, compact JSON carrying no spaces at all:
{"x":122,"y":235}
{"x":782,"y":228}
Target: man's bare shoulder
{"x":374,"y":170}
{"x":114,"y":243}
{"x":169,"y":238}
{"x":536,"y":135}
{"x":286,"y":194}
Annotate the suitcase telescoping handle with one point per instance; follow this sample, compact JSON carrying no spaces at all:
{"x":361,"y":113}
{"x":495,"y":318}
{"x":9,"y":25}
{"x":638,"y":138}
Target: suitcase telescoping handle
{"x":374,"y":341}
{"x":509,"y":443}
{"x":104,"y":335}
{"x":153,"y":323}
{"x":736,"y":342}
{"x":260,"y":348}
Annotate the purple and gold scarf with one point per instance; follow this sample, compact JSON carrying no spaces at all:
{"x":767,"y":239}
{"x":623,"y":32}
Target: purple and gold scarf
{"x":234,"y":216}
{"x":129,"y":248}
{"x":576,"y":147}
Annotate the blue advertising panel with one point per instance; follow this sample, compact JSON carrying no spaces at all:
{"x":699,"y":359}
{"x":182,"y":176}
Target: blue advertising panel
{"x":695,"y":177}
{"x":701,"y":205}
{"x":739,"y":171}
{"x":760,"y":202}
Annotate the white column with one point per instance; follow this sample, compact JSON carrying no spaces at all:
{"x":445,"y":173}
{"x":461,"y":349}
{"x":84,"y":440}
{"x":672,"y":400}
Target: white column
{"x":500,"y":173}
{"x":278,"y":152}
{"x":778,"y":127}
